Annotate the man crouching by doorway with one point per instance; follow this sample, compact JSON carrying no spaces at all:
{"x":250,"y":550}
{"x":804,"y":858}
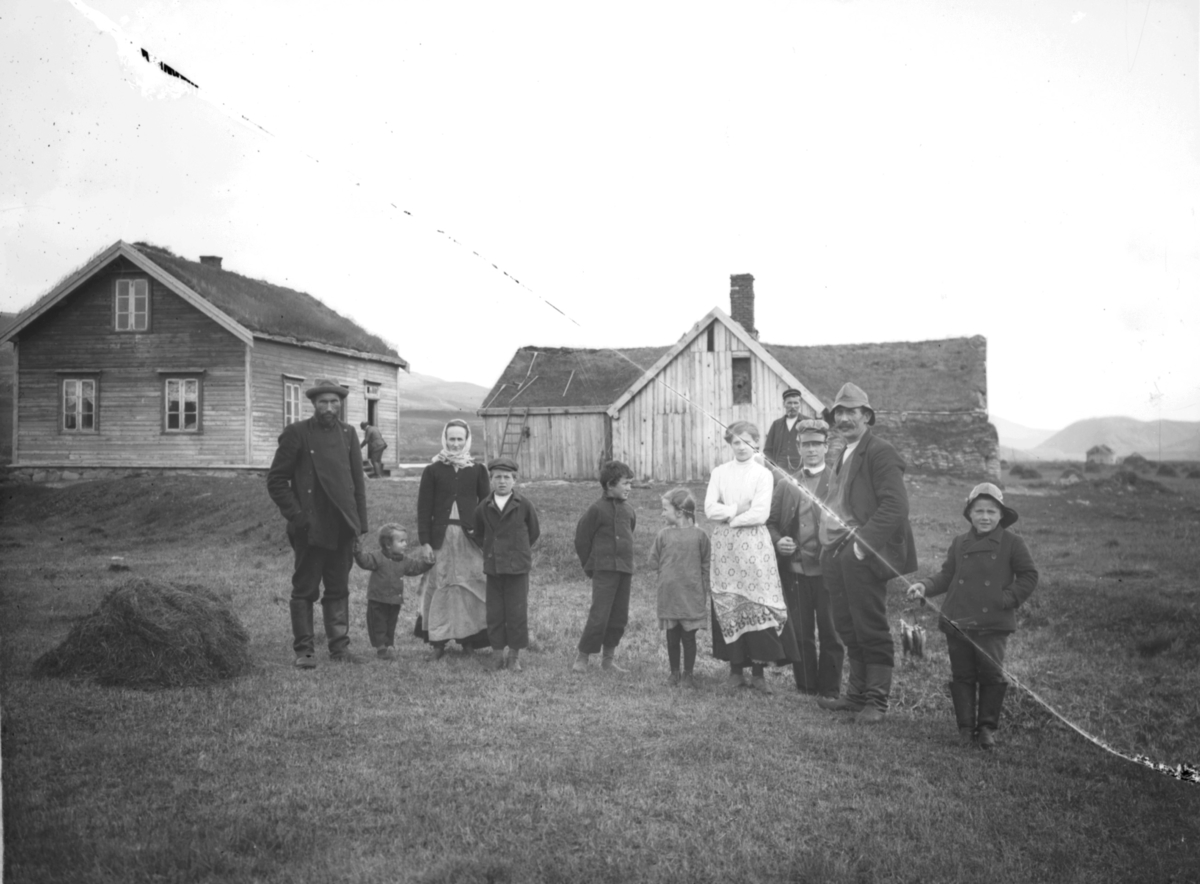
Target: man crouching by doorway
{"x":316,"y":480}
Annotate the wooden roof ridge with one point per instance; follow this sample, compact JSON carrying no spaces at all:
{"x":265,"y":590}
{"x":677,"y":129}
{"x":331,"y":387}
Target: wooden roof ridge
{"x":717,"y":315}
{"x":123,"y":249}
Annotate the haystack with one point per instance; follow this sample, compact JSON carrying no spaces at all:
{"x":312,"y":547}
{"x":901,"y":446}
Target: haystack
{"x":151,"y":635}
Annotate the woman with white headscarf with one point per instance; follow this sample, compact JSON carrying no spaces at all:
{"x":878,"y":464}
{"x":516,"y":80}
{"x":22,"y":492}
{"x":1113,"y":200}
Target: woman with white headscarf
{"x":453,"y":601}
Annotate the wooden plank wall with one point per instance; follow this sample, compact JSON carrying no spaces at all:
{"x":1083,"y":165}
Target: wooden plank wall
{"x":560,"y":446}
{"x":271,"y":360}
{"x":665,"y":437}
{"x":79,"y":334}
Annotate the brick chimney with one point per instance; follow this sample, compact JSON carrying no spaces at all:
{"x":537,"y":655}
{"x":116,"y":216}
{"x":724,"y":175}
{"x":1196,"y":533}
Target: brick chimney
{"x":741,"y":301}
{"x":215,"y":261}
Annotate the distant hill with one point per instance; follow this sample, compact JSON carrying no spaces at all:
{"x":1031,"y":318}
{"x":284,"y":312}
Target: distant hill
{"x":420,"y":392}
{"x":1014,"y":435}
{"x":1124,"y":435}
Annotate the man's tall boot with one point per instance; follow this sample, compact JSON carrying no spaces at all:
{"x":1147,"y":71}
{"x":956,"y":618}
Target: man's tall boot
{"x":337,"y":629}
{"x":962,"y":693}
{"x":879,"y":688}
{"x":302,"y":633}
{"x":856,"y":691}
{"x":991,"y":700}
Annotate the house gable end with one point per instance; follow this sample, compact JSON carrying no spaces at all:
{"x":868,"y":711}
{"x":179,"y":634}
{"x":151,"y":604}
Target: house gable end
{"x":99,"y":264}
{"x":751,"y":345}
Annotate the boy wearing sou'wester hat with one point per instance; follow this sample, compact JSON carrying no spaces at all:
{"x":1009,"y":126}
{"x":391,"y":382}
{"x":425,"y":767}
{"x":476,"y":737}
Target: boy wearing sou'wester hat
{"x":987,"y":575}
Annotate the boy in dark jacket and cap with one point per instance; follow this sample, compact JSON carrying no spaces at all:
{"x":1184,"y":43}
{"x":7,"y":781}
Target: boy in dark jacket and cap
{"x":987,"y":575}
{"x":507,"y":526}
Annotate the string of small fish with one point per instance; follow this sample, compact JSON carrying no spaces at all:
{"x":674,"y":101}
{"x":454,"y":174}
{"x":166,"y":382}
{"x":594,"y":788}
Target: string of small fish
{"x":912,"y":635}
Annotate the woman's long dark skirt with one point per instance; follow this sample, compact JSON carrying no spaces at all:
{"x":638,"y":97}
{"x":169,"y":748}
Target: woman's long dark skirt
{"x":762,"y":647}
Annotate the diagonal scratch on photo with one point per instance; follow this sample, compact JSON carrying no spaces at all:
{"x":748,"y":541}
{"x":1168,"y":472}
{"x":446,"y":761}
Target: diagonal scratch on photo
{"x":531,"y":444}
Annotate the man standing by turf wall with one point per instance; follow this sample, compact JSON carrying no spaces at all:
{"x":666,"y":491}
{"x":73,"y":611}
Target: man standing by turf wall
{"x":316,"y":480}
{"x":865,"y":541}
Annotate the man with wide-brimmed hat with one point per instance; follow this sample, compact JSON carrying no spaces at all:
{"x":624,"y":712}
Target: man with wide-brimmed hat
{"x":782,"y":447}
{"x":316,"y":480}
{"x":866,"y":539}
{"x":793,"y":525}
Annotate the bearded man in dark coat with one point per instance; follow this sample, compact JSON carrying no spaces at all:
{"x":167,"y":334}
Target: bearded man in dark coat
{"x":316,"y":480}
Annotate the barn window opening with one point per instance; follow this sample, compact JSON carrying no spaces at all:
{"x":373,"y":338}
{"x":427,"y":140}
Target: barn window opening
{"x":742,"y":392}
{"x":132,"y":305}
{"x":711,"y":336}
{"x":79,"y":405}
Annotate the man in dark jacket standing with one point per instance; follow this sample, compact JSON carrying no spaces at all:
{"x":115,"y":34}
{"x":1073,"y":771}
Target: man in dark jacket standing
{"x":782,"y":447}
{"x":316,"y":480}
{"x":866,"y":539}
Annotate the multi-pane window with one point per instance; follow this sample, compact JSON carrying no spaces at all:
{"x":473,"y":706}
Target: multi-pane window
{"x":291,"y":402}
{"x":182,"y":403}
{"x":133,"y":305}
{"x":79,"y":405}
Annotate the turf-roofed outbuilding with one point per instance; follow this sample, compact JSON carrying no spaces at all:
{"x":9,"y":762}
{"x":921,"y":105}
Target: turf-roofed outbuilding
{"x":142,"y":358}
{"x":562,"y":412}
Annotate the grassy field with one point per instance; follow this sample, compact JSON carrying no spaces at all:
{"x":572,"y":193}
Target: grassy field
{"x":444,"y":772}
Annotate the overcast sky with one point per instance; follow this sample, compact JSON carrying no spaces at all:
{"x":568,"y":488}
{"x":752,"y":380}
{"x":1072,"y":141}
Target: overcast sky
{"x":888,"y":171}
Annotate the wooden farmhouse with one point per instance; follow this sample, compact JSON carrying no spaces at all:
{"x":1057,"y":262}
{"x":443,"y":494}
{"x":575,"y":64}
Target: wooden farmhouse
{"x":1101,"y":454}
{"x":562,"y":412}
{"x":144,"y":359}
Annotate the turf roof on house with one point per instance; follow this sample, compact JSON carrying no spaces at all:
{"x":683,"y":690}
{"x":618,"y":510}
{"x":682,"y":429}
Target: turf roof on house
{"x":560,"y":377}
{"x":946,"y":375}
{"x":266,"y":308}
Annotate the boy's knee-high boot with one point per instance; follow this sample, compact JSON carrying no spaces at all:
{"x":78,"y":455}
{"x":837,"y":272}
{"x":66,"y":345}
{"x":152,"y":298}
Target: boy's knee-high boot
{"x":337,"y":625}
{"x":991,"y":700}
{"x":856,"y":691}
{"x":879,"y":688}
{"x":302,"y":632}
{"x":963,"y":695}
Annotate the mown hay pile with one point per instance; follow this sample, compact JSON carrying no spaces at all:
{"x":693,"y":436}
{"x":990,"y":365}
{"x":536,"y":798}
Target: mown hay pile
{"x":150,"y":635}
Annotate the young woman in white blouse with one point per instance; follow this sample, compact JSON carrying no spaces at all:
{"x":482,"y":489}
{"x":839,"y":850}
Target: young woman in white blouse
{"x":749,"y":614}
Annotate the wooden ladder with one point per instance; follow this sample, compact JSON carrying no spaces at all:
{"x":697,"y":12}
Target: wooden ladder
{"x":514,"y":433}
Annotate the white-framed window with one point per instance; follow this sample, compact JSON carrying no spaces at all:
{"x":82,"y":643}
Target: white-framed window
{"x":79,"y":410}
{"x":291,"y":400}
{"x":181,"y":404}
{"x":132,"y":305}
